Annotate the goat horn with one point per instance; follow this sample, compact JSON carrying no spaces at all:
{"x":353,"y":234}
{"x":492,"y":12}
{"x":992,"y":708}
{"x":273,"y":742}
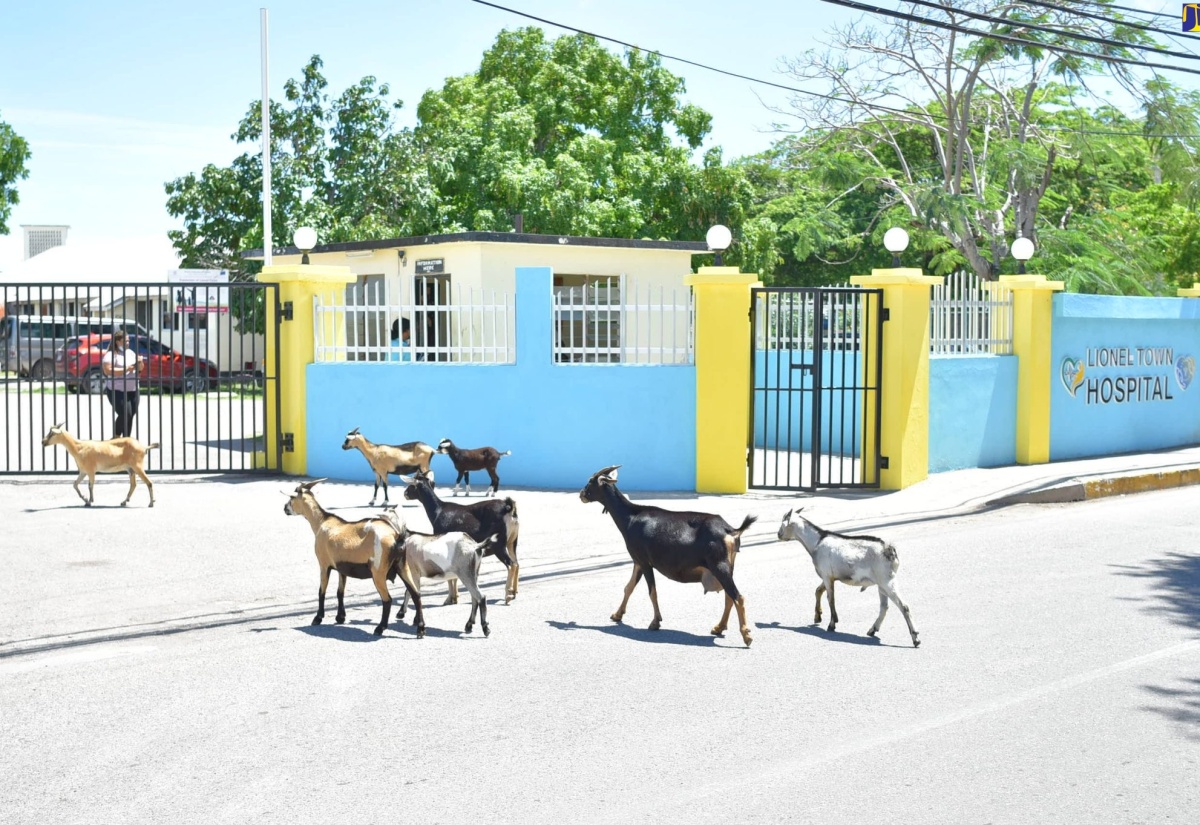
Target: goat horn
{"x":787,"y":515}
{"x":353,"y":432}
{"x":308,"y":485}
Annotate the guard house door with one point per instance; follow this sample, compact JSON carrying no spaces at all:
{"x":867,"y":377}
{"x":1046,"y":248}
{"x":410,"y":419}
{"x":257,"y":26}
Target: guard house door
{"x":814,"y":402}
{"x":431,"y":338}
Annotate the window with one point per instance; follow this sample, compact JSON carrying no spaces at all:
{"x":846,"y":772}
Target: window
{"x":587,"y":318}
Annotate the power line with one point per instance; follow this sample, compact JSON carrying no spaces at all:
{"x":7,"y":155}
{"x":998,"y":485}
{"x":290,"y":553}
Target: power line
{"x":833,"y":98}
{"x":926,"y":21}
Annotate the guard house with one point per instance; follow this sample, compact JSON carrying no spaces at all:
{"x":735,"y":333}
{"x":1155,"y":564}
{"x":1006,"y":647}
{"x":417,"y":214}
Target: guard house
{"x":456,"y":293}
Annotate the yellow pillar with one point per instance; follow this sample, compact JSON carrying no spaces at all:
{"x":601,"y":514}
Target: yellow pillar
{"x":298,"y":283}
{"x":904,"y":393}
{"x":722,"y":376}
{"x":1192,"y":291}
{"x":1033,"y":310}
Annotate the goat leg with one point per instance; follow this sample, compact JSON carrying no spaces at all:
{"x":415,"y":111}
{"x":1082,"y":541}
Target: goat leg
{"x":145,"y":480}
{"x":321,"y":596}
{"x":650,"y":584}
{"x":894,"y":596}
{"x":412,"y":586}
{"x":719,"y":629}
{"x":477,"y":603}
{"x":340,"y":618}
{"x":832,"y":607}
{"x":723,"y":573}
{"x":883,"y":609}
{"x":78,"y":492}
{"x":820,"y":593}
{"x":633,"y":580}
{"x":132,"y":487}
{"x":451,"y":592}
{"x":380,"y":577}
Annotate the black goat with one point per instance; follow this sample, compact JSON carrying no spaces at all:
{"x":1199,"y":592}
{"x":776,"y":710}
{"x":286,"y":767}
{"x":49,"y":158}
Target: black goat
{"x":684,"y":547}
{"x":479,"y":521}
{"x":481,"y":458}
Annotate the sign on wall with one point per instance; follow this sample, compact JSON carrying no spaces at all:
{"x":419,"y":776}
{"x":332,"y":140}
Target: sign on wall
{"x":1126,"y":374}
{"x":430,"y":266}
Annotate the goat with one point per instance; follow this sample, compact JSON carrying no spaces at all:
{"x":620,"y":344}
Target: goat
{"x":684,"y":547}
{"x":370,"y":548}
{"x":478,"y":520}
{"x":111,"y":456}
{"x":480,"y":458}
{"x":450,"y":557}
{"x":860,"y":561}
{"x":411,"y":457}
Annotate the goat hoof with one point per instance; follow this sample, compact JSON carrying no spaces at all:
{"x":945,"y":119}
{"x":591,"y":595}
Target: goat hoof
{"x":87,"y":504}
{"x":654,"y":626}
{"x":317,"y":619}
{"x":487,"y":631}
{"x":746,"y":638}
{"x":832,"y":627}
{"x":379,"y":630}
{"x":152,"y":504}
{"x":420,"y":633}
{"x":123,"y":503}
{"x":340,"y":618}
{"x":616,"y":617}
{"x":719,"y":630}
{"x":872,"y":631}
{"x":470,"y":627}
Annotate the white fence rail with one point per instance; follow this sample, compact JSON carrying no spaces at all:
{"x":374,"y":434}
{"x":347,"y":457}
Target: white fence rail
{"x":970,"y":316}
{"x":608,"y":321}
{"x":455,"y":326}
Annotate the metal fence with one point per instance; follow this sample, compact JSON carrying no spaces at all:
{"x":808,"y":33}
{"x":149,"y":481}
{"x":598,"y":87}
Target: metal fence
{"x":612,"y":321}
{"x":452,"y":324}
{"x":971,"y":316}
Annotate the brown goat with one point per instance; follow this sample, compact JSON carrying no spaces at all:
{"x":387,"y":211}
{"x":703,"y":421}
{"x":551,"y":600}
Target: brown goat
{"x":112,"y":456}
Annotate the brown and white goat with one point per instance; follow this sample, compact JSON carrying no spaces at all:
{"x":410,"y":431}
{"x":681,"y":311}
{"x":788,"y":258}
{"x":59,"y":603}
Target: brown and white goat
{"x":684,"y":547}
{"x":370,"y":548}
{"x":860,"y":561}
{"x":479,"y":458}
{"x":411,"y":457}
{"x":478,"y":520}
{"x":112,"y":456}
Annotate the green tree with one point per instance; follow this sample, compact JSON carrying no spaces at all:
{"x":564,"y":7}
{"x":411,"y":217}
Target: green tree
{"x":14,"y":153}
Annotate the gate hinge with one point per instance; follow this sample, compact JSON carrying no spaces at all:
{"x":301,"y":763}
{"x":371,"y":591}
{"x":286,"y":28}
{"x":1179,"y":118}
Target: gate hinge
{"x":887,"y":314}
{"x":883,"y":462}
{"x":285,"y":311}
{"x":287,"y":442}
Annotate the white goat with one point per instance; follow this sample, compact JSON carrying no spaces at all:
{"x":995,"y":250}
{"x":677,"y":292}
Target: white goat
{"x":861,"y":561}
{"x":112,"y":456}
{"x":448,"y":557}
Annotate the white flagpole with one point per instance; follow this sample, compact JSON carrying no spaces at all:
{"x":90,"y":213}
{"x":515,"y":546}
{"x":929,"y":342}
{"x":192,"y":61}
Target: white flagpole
{"x":266,"y":142}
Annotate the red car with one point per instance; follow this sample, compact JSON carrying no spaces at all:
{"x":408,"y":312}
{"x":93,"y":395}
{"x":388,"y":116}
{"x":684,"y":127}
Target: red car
{"x":161,"y":367}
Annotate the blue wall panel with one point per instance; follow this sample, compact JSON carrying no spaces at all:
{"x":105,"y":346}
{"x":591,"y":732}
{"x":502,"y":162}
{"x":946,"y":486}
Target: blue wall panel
{"x":1123,"y":375}
{"x":562,"y":422}
{"x":972,"y":411}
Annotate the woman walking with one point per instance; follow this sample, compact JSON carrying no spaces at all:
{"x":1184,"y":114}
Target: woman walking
{"x":120,"y":367}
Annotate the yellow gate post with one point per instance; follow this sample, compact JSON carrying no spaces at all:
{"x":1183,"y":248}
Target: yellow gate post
{"x":298,"y":284}
{"x":904,"y":390}
{"x":723,"y":350}
{"x":1033,"y":310}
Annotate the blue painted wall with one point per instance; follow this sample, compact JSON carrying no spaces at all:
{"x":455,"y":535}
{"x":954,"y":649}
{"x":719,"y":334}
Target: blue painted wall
{"x":783,"y":401}
{"x":562,"y":422}
{"x":972,"y":411}
{"x":1123,"y":371}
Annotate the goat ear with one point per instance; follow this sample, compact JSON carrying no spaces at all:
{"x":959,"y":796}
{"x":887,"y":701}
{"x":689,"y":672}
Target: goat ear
{"x":403,"y":480}
{"x":353,"y":432}
{"x":787,"y":515}
{"x":609,"y":473}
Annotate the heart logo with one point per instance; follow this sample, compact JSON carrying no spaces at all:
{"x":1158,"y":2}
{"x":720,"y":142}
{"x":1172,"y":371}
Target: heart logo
{"x":1185,"y":370}
{"x":1071,"y":373}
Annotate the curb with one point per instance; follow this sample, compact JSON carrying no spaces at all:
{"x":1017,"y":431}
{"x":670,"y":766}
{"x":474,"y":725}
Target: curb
{"x":1118,"y":484}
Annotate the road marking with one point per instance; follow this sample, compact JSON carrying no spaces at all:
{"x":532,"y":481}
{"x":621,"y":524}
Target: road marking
{"x":75,"y":657}
{"x":772,"y":777}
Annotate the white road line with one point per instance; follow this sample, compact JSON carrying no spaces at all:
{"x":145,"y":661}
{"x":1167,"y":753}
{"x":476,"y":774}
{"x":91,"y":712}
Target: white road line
{"x":770,"y":778}
{"x":74,"y":657}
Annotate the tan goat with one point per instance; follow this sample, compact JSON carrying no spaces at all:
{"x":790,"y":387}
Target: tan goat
{"x":370,"y":548}
{"x":385,"y":459}
{"x":112,"y":456}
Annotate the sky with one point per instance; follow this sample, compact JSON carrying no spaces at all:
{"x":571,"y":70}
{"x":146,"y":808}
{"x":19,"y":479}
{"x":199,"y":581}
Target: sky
{"x":117,"y":98}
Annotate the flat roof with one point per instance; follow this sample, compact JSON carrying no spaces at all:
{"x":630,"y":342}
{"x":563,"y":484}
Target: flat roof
{"x":695,"y":247}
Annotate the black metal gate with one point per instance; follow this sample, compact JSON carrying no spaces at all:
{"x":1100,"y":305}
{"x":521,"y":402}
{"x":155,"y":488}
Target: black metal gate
{"x":207,"y":394}
{"x":814,"y":401}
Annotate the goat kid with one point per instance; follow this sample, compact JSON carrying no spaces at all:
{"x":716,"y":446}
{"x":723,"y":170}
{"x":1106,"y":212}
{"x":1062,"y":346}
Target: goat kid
{"x":370,"y":548}
{"x":860,"y":561}
{"x":684,"y":547}
{"x":450,"y":557}
{"x":385,"y":459}
{"x":112,"y":456}
{"x":478,"y":520}
{"x":466,"y":461}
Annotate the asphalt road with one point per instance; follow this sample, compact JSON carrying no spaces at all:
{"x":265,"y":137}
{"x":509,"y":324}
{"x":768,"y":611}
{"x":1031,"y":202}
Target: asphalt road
{"x":159,"y":665}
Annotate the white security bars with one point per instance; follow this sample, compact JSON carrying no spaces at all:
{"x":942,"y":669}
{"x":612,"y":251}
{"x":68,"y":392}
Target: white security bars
{"x":445,"y":323}
{"x":970,"y":316}
{"x":612,"y":320}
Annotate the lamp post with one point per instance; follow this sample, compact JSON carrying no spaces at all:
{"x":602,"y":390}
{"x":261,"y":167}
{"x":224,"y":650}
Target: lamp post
{"x":305,"y":238}
{"x":718,"y":237}
{"x":895,"y":240}
{"x":1022,"y":250}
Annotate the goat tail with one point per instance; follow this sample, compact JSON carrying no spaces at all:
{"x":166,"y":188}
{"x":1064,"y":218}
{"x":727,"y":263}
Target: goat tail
{"x":511,"y":507}
{"x":737,"y":534}
{"x":493,"y":539}
{"x":153,"y":446}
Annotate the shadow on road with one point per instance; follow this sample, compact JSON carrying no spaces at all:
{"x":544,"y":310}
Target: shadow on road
{"x":1180,"y":704}
{"x":819,"y":632}
{"x":669,"y":637}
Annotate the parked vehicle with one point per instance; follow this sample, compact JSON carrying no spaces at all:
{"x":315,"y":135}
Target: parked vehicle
{"x":29,"y":343}
{"x":161,"y":367}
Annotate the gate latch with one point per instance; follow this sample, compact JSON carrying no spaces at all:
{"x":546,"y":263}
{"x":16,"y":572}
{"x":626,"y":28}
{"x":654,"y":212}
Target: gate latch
{"x":883,"y":462}
{"x":287,"y":442}
{"x":285,"y":311}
